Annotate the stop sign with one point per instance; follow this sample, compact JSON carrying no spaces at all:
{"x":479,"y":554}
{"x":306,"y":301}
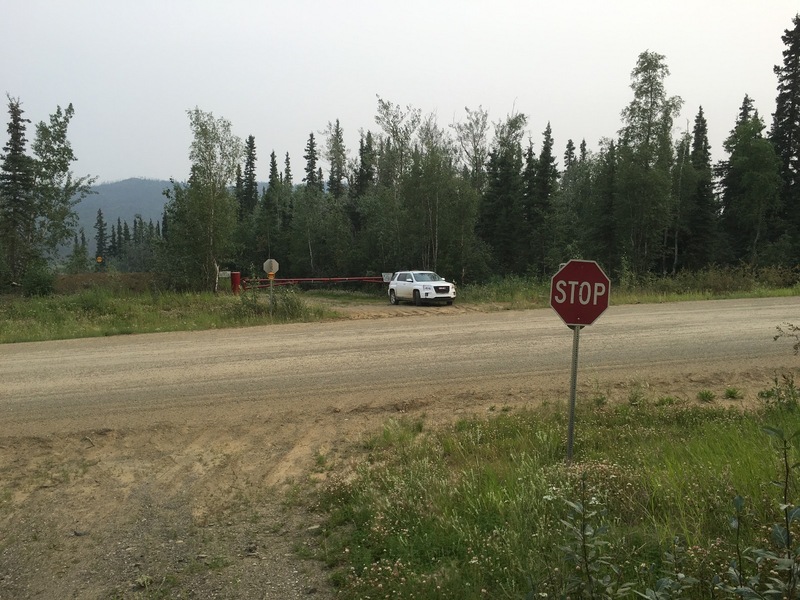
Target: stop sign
{"x":579,"y":292}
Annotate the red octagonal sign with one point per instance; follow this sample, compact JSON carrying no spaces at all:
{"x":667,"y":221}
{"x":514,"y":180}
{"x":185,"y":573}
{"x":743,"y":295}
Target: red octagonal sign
{"x":579,"y":292}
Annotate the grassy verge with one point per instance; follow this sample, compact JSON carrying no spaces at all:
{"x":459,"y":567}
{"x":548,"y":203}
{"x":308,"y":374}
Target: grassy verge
{"x":109,"y":308}
{"x":101,"y":312}
{"x":660,"y":498}
{"x":709,"y":284}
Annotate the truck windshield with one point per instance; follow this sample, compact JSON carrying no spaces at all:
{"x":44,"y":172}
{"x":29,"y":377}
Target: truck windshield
{"x":427,"y":277}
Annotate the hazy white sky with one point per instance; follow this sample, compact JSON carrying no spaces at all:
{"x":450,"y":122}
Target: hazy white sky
{"x":281,"y":69}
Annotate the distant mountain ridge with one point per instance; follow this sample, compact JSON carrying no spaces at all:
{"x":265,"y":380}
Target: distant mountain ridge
{"x":123,"y":200}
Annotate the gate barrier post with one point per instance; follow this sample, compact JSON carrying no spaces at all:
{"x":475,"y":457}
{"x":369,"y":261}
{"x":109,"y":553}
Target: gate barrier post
{"x":236,"y":282}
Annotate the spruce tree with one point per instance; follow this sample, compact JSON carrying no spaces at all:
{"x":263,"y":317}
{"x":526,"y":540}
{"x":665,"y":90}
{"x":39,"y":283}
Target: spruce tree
{"x":100,"y":239}
{"x":547,"y":171}
{"x":271,"y":198}
{"x":287,"y":172}
{"x":364,"y":180}
{"x":164,"y":227}
{"x":750,"y":184}
{"x":530,"y":243}
{"x":336,"y":154}
{"x":785,"y":133}
{"x":113,"y":250}
{"x":601,"y":235}
{"x":684,"y":183}
{"x":499,"y":216}
{"x":238,"y":192}
{"x":700,"y":245}
{"x":274,"y":178}
{"x":366,"y":173}
{"x":312,"y":175}
{"x":37,"y":193}
{"x":119,"y":243}
{"x":17,"y":200}
{"x":545,"y":185}
{"x":569,"y":154}
{"x":84,"y":251}
{"x":268,"y":222}
{"x":249,"y":194}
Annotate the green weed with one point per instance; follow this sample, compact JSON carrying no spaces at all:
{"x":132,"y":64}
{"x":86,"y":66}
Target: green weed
{"x":791,"y":331}
{"x":783,"y":395}
{"x":638,"y":393}
{"x":666,"y":401}
{"x":488,"y":508}
{"x":733,"y":393}
{"x":706,"y":396}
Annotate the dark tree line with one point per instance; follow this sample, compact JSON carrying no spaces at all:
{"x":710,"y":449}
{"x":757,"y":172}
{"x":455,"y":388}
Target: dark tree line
{"x":472,"y":200}
{"x":123,"y":247}
{"x":453,"y":200}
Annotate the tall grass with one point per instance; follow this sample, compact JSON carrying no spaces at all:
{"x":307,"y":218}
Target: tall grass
{"x":487,"y":508}
{"x":707,"y":284}
{"x":109,"y":308}
{"x":517,"y":292}
{"x":101,"y":312}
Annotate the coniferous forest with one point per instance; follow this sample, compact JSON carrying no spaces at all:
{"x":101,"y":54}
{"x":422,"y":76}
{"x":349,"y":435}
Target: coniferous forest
{"x":472,"y":200}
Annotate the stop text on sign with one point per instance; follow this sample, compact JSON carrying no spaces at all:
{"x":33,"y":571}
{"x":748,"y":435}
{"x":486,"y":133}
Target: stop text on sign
{"x":583,"y":292}
{"x":579,"y":292}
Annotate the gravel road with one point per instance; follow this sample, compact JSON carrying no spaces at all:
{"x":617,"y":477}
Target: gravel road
{"x":212,"y":375}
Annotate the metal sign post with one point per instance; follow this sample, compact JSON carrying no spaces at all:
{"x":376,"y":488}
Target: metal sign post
{"x":573,"y":390}
{"x":579,"y":293}
{"x":271,"y":267}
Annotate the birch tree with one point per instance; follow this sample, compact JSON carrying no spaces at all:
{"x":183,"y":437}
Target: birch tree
{"x":203,"y":214}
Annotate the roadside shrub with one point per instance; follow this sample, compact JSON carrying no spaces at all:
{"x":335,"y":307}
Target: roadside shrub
{"x":783,"y":395}
{"x":714,"y":280}
{"x":513,"y":289}
{"x":791,"y":331}
{"x":284,"y":304}
{"x":289,"y":305}
{"x":39,"y":280}
{"x":110,"y":280}
{"x":777,"y":277}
